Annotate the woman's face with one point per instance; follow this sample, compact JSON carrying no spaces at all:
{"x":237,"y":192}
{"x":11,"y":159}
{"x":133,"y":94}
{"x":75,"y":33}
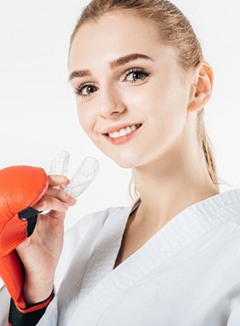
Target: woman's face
{"x":131,"y":95}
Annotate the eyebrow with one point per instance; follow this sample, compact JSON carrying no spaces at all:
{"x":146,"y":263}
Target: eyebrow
{"x":113,"y":64}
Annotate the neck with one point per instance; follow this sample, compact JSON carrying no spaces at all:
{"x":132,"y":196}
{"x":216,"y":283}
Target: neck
{"x":169,"y":185}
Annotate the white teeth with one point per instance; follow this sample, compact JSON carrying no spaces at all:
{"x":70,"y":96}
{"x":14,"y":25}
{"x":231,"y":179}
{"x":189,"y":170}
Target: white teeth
{"x":122,"y":132}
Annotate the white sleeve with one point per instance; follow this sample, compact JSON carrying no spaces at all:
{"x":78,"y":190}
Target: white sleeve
{"x":5,"y":305}
{"x":234,"y":318}
{"x":51,"y":314}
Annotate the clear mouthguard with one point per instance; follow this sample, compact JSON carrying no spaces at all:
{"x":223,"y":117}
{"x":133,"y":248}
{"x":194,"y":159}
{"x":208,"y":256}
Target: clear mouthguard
{"x":83,"y":177}
{"x":60,"y":164}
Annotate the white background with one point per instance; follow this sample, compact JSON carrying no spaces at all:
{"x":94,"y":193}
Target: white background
{"x":38,"y":115}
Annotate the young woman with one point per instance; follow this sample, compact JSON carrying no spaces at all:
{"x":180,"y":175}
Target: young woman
{"x":172,"y":257}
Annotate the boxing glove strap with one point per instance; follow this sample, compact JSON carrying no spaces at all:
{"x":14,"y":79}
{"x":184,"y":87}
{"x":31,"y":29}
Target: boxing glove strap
{"x":30,"y":214}
{"x":29,"y":316}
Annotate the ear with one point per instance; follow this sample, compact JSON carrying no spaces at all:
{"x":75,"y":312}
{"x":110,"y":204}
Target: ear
{"x":201,"y":89}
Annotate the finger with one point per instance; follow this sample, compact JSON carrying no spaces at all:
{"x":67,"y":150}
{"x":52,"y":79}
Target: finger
{"x":60,"y":195}
{"x":55,"y":214}
{"x":57,"y":180}
{"x":51,"y":204}
{"x":40,"y":205}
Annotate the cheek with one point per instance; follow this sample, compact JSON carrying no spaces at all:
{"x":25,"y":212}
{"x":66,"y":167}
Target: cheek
{"x":86,"y":120}
{"x":167,"y":111}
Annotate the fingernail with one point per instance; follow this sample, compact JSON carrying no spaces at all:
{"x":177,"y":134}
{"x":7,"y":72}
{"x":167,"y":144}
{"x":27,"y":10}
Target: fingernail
{"x":72,"y":200}
{"x":58,"y":177}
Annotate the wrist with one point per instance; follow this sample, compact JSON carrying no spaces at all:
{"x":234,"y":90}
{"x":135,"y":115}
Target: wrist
{"x":35,"y":292}
{"x":29,"y":315}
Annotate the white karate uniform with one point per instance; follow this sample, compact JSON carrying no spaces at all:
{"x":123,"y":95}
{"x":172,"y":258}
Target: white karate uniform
{"x":187,"y":274}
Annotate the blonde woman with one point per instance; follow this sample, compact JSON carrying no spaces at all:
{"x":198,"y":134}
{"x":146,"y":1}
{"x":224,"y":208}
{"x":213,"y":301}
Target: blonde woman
{"x":171,"y":258}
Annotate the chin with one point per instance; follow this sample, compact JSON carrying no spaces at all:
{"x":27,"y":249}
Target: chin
{"x":124,"y":159}
{"x":126,"y":162}
{"x":125,"y":165}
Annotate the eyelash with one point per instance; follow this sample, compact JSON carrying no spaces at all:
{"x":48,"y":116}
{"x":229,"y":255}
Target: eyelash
{"x":79,"y":89}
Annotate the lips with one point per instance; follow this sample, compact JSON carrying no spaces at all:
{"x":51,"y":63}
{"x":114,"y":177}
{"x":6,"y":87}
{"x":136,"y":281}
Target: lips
{"x":118,"y":127}
{"x":123,"y":136}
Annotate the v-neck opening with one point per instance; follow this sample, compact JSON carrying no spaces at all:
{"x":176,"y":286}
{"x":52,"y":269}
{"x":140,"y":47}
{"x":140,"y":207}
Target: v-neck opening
{"x":185,"y":228}
{"x":205,"y":205}
{"x":133,"y":209}
{"x":194,"y":213}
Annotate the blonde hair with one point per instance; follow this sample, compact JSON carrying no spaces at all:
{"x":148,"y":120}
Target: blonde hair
{"x":175,"y":30}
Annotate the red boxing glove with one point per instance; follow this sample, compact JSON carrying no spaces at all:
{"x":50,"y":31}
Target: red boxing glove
{"x":20,"y":188}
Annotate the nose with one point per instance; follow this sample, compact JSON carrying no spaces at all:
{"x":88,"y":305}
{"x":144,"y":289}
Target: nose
{"x":111,"y":105}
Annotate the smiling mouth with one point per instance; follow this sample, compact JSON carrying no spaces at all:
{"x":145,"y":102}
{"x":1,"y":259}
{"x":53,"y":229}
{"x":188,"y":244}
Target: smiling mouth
{"x":123,"y":132}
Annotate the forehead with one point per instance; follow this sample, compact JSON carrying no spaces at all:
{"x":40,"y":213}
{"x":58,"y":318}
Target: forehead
{"x":113,"y":35}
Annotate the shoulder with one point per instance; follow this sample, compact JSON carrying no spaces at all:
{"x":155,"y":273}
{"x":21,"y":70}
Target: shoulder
{"x":232,"y":206}
{"x":224,"y":206}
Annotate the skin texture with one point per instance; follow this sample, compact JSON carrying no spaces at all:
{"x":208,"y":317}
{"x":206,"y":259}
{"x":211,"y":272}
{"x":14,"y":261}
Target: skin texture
{"x":164,"y":155}
{"x":167,"y":163}
{"x":40,"y":252}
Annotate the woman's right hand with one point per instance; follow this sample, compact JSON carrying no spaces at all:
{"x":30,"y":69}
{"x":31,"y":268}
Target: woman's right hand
{"x":41,"y":251}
